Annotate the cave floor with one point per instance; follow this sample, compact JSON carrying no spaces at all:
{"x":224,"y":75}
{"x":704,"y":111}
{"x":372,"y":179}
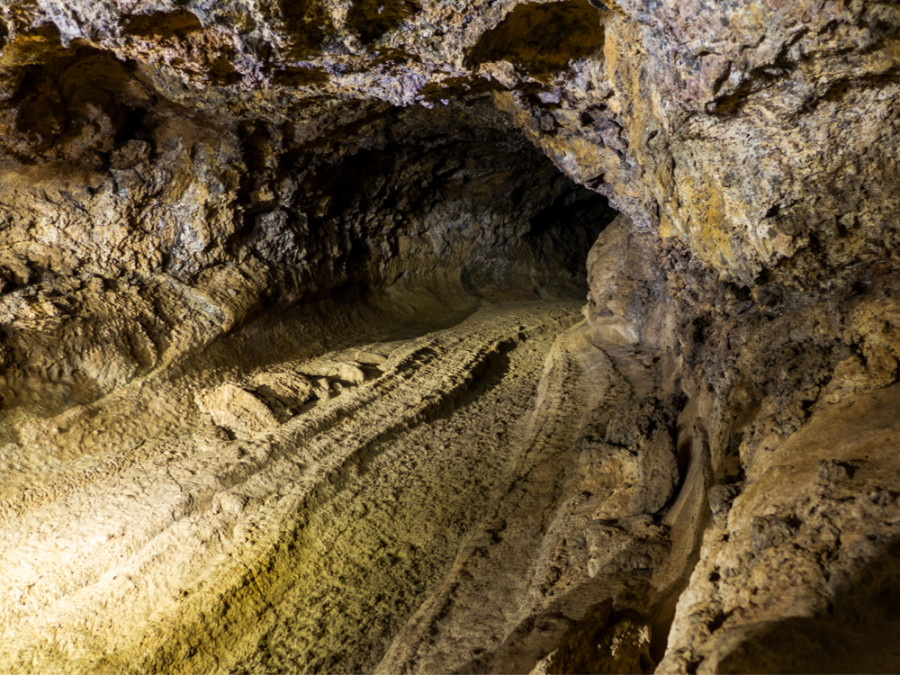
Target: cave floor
{"x":380,"y":505}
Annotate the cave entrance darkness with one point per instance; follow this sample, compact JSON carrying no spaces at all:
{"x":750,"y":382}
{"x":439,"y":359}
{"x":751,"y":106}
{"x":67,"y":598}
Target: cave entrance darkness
{"x":450,"y":194}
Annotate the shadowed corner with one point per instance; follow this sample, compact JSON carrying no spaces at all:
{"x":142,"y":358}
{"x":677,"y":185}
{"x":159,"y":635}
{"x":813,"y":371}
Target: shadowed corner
{"x":372,"y":19}
{"x":858,"y":633}
{"x":541,"y":38}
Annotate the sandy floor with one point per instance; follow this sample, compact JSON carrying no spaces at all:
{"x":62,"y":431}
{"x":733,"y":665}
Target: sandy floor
{"x":298,"y":497}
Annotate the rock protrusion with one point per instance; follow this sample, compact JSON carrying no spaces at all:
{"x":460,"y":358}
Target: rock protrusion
{"x":238,"y":410}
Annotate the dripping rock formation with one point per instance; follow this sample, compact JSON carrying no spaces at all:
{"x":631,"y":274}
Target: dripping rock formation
{"x":449,"y":336}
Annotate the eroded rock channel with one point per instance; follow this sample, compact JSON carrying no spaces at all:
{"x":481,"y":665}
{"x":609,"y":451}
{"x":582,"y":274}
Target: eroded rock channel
{"x":414,"y":336}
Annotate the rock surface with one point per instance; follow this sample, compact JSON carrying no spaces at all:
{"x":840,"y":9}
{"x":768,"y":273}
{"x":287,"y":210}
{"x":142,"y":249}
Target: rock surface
{"x":292,"y":372}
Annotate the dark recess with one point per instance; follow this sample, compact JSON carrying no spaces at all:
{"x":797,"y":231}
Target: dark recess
{"x":307,"y":25}
{"x":163,"y":24}
{"x":542,"y":38}
{"x":372,"y":19}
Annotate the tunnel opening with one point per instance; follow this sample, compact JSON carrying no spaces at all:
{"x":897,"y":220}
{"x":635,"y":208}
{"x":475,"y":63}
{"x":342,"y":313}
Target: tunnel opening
{"x":400,"y":208}
{"x":445,"y":210}
{"x":450,"y":194}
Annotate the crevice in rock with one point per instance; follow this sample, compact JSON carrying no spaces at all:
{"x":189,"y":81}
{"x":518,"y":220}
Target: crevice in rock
{"x":541,"y":38}
{"x":371,"y":19}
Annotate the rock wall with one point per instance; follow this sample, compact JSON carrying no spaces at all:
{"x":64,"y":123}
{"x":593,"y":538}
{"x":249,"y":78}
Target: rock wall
{"x":193,"y":186}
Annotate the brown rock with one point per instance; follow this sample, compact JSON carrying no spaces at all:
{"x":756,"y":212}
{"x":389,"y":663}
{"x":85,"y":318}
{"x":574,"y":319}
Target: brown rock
{"x":288,"y":369}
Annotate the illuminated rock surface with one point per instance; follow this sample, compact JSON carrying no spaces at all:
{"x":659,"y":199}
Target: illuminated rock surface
{"x":297,"y":372}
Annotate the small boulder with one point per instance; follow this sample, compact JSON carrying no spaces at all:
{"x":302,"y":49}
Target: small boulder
{"x":237,"y":410}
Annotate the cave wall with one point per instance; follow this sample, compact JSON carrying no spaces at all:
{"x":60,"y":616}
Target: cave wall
{"x":172,"y":170}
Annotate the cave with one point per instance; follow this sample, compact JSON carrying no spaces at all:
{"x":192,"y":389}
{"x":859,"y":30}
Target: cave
{"x":405,"y":336}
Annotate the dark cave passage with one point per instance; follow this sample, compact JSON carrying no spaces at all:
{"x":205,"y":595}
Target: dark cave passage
{"x":331,"y":352}
{"x":406,"y":297}
{"x":443,"y":194}
{"x":448,"y":199}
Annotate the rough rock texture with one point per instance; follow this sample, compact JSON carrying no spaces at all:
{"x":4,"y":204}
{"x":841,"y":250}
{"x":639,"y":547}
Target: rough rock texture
{"x":292,"y":372}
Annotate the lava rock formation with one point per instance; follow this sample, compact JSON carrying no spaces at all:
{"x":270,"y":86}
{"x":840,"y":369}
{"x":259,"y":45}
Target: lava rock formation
{"x":295,"y":364}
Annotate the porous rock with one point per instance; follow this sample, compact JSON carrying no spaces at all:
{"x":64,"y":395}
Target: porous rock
{"x":292,"y":372}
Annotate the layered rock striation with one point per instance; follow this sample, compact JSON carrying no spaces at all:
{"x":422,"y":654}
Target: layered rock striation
{"x":295,"y":371}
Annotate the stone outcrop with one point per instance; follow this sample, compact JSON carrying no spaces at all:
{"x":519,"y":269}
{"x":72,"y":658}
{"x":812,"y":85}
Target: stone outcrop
{"x":292,"y":371}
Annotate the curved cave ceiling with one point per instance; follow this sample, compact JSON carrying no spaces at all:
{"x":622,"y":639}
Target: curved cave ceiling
{"x":414,"y":336}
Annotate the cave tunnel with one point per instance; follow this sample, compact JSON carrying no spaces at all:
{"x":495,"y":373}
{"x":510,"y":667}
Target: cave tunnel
{"x":287,"y":323}
{"x":448,"y":337}
{"x":449,"y":194}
